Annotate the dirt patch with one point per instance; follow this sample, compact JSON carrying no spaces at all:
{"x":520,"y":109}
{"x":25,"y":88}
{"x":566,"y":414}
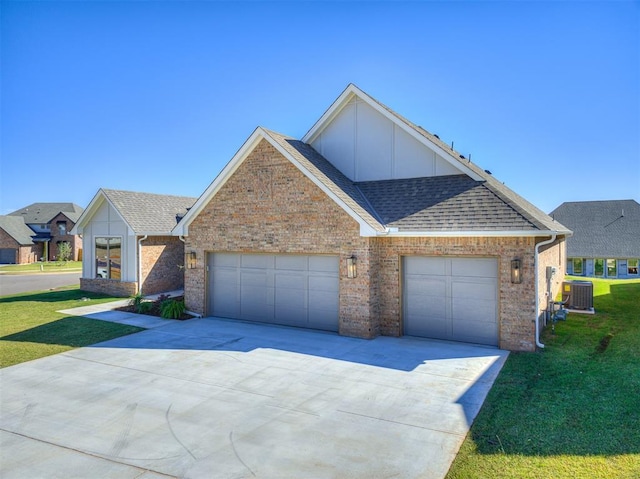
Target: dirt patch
{"x":604,"y":343}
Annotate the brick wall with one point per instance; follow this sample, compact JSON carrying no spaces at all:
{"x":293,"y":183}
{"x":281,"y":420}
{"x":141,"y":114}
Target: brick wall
{"x":74,"y":240}
{"x":269,"y":206}
{"x":554,"y":254}
{"x":162,"y":264}
{"x":120,"y":289}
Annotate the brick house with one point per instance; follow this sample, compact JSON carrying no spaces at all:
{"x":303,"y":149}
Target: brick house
{"x":48,"y":224}
{"x":370,"y":225}
{"x":128,"y":243}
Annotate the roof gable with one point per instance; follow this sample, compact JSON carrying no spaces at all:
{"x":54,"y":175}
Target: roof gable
{"x":15,"y":227}
{"x":368,"y":142}
{"x":144,"y":213}
{"x":602,"y":229}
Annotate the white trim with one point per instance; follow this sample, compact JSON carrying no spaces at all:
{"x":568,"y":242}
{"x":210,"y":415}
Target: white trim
{"x":466,"y":234}
{"x":352,"y":90}
{"x":182,"y":228}
{"x":93,"y":208}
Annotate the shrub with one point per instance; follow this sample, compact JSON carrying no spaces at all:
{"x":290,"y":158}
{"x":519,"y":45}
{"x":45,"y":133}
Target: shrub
{"x":172,"y":309}
{"x":141,"y":306}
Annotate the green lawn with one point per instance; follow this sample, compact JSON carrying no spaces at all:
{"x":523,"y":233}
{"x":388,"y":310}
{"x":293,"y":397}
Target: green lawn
{"x":571,"y":410}
{"x":31,"y":328}
{"x":48,"y":267}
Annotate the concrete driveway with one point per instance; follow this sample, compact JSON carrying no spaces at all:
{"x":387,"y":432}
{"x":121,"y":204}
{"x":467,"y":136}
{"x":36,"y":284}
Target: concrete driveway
{"x":211,"y":398}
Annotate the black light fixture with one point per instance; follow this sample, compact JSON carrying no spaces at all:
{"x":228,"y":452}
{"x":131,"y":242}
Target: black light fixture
{"x":516,"y":271}
{"x":352,"y":271}
{"x":191,"y":260}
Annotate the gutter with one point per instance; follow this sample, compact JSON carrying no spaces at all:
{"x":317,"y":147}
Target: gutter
{"x":535,"y":269}
{"x":393,"y":232}
{"x":140,"y":262}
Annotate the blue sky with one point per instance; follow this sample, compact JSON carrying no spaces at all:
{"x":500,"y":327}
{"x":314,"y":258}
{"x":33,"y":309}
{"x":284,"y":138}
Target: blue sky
{"x":158,"y":96}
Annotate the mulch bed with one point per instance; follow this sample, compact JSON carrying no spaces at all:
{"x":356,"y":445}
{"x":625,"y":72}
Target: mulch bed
{"x":155,"y":309}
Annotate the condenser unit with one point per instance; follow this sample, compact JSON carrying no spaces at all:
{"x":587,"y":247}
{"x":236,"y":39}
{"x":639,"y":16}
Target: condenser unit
{"x":578,"y":294}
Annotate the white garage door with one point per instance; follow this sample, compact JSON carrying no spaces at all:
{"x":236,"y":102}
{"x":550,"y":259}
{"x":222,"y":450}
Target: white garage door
{"x":451,"y":298}
{"x":293,"y":290}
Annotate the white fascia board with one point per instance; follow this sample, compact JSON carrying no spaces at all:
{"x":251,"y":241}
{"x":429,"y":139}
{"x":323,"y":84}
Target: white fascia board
{"x":467,"y":234}
{"x":88,"y":212}
{"x":342,"y":101}
{"x":365,"y":228}
{"x":182,"y":228}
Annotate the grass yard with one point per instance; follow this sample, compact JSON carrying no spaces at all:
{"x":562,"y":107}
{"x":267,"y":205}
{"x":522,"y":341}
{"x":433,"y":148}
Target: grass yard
{"x":30,"y":327}
{"x":571,"y":410}
{"x":48,"y":267}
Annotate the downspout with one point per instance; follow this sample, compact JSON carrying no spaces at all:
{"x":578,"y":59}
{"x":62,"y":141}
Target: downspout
{"x":535,"y":269}
{"x":140,"y":263}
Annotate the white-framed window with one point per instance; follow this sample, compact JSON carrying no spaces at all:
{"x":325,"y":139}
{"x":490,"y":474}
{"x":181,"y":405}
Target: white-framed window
{"x":612,"y":268}
{"x":108,"y":256}
{"x":577,"y":266}
{"x":632,"y":267}
{"x":598,"y":266}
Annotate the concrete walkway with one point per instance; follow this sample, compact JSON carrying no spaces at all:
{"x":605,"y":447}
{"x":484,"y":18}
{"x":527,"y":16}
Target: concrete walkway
{"x":212,"y":398}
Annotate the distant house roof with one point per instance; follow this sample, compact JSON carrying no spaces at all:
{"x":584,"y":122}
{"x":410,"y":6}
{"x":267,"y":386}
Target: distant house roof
{"x":601,"y":229}
{"x":145,"y":213}
{"x":15,"y":227}
{"x":43,"y":213}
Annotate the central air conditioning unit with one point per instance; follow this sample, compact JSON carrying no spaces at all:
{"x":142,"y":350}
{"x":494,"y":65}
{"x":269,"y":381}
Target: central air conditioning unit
{"x":578,"y":294}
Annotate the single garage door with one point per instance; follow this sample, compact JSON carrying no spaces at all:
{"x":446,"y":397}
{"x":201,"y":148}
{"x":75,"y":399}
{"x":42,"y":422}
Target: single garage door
{"x":292,"y":290}
{"x":451,"y":298}
{"x":8,"y":255}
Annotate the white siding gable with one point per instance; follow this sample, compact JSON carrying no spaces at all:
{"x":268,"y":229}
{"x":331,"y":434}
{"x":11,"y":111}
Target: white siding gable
{"x":365,"y":145}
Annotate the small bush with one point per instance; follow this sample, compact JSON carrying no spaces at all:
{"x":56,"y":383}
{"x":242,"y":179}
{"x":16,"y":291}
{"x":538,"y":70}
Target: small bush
{"x":140,"y":305}
{"x":172,"y":309}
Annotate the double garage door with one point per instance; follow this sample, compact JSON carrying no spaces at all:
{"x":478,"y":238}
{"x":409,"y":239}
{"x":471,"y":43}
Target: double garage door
{"x":451,"y":298}
{"x":293,"y":290}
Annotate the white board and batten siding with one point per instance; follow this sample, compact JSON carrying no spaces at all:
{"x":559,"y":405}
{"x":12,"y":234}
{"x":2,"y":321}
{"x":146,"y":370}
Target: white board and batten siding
{"x":451,"y":298}
{"x":286,"y":289}
{"x":366,"y":146}
{"x":108,"y":222}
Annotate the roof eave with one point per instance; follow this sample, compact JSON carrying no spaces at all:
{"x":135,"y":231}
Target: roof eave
{"x":471,"y":234}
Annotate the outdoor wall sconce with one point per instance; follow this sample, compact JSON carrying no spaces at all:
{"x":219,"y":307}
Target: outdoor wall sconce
{"x":191,"y":260}
{"x":516,"y":271}
{"x":352,"y":271}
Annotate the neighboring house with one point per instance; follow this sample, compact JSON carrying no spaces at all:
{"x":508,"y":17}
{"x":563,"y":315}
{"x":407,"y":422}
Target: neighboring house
{"x":606,"y":237}
{"x":370,"y":226}
{"x":16,"y":242}
{"x":128,"y":243}
{"x":50,"y":224}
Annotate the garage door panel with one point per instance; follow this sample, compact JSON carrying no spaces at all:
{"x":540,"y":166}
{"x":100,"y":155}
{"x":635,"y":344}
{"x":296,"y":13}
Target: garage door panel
{"x":281,"y":289}
{"x":451,"y":298}
{"x":426,"y":266}
{"x":8,"y":255}
{"x":482,"y":267}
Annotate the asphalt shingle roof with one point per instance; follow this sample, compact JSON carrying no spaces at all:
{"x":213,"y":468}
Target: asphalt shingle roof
{"x":43,"y":213}
{"x":601,"y":229}
{"x":17,"y":229}
{"x":149,"y":213}
{"x":442,"y":203}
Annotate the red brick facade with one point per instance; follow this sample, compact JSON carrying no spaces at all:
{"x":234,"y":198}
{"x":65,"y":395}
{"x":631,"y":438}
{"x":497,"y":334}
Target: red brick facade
{"x":269,"y":206}
{"x":24,"y":253}
{"x":162,"y":264}
{"x":119,"y":289}
{"x":56,"y":237}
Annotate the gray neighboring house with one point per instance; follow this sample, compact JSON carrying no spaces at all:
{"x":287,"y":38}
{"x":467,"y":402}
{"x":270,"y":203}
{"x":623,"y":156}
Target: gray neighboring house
{"x":606,"y":237}
{"x":128,"y":243}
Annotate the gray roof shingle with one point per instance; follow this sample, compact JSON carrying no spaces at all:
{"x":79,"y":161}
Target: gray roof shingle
{"x":442,"y":203}
{"x":601,"y":229}
{"x":17,"y":229}
{"x":149,"y":213}
{"x":43,"y":213}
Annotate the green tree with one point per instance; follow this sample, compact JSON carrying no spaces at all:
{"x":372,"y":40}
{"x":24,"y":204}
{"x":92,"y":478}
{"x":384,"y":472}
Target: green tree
{"x":64,"y":251}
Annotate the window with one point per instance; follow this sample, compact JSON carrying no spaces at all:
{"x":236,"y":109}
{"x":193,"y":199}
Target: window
{"x":577,"y":265}
{"x":108,"y":258}
{"x":599,"y":267}
{"x":612,"y":269}
{"x":62,"y":227}
{"x":632,"y":266}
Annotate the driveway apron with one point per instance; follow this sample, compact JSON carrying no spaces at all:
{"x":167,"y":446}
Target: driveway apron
{"x":212,"y":398}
